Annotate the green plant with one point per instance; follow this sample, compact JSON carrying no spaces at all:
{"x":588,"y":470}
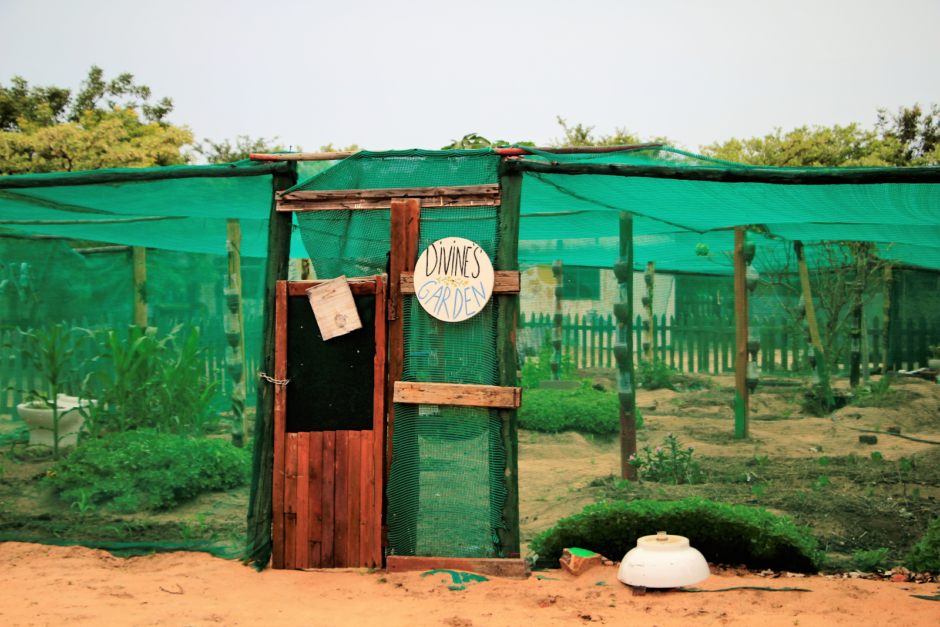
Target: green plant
{"x":534,"y":372}
{"x":869,"y":561}
{"x":655,"y":374}
{"x":583,"y":409}
{"x":670,"y":463}
{"x":147,"y":382}
{"x":83,"y":504}
{"x":821,"y":482}
{"x":925,"y":555}
{"x":144,"y":469}
{"x":50,"y":351}
{"x":934,"y":351}
{"x":723,"y":533}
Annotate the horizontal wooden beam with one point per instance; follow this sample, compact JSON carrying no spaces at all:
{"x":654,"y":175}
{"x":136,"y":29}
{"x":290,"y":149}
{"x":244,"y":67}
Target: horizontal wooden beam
{"x":457,"y":394}
{"x":506,"y":282}
{"x":511,"y":568}
{"x":507,"y":151}
{"x":359,"y":286}
{"x":722,"y":174}
{"x":339,"y":200}
{"x":303,"y":156}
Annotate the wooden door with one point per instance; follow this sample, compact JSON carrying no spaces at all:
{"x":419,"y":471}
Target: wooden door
{"x":329,"y":421}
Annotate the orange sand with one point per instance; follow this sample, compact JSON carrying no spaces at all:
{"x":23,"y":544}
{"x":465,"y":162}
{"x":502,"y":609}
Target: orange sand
{"x":41,"y":585}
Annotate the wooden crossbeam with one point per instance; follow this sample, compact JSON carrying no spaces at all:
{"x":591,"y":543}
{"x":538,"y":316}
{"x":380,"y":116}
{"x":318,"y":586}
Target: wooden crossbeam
{"x":333,"y":200}
{"x":457,"y":394}
{"x":506,"y":282}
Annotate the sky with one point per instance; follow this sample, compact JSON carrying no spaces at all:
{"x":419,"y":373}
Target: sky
{"x":411,"y":74}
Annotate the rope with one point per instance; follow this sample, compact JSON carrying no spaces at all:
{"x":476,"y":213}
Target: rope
{"x":273,"y":380}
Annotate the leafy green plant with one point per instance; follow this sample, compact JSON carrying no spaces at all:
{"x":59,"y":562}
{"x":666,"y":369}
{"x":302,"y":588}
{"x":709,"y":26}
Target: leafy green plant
{"x":925,"y":555}
{"x":723,"y":533}
{"x":670,"y":463}
{"x":146,"y":382}
{"x":144,"y":469}
{"x":83,"y":504}
{"x":50,"y":351}
{"x":655,"y":375}
{"x":821,"y":482}
{"x":536,"y":371}
{"x":583,"y":409}
{"x":869,"y":561}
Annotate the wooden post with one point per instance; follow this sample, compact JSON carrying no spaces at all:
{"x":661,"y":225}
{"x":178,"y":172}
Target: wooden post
{"x":239,"y":395}
{"x":557,"y":330}
{"x":626,"y":387}
{"x":742,"y":397}
{"x":140,"y":286}
{"x":886,"y":312}
{"x":507,"y":258}
{"x":650,"y":344}
{"x":260,"y":500}
{"x":405,"y":230}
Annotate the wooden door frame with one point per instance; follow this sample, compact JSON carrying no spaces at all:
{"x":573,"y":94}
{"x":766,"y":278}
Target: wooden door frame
{"x":376,"y":286}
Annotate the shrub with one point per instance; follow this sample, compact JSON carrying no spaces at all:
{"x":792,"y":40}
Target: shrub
{"x":723,"y":533}
{"x":925,"y":555}
{"x":143,"y":469}
{"x":533,"y":372}
{"x":583,"y":409}
{"x":655,"y":375}
{"x":669,"y":463}
{"x":869,"y":561}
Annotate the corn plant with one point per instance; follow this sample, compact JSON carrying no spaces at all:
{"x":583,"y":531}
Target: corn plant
{"x":50,"y":351}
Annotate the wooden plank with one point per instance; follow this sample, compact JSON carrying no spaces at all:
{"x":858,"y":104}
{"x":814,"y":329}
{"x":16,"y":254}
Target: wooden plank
{"x":378,"y":421}
{"x":353,"y":475}
{"x":315,"y":515}
{"x":507,"y":259}
{"x":367,"y":514}
{"x":334,"y":200}
{"x":457,"y":394}
{"x":280,"y":424}
{"x":506,"y":568}
{"x":742,"y":422}
{"x":302,"y":559}
{"x":290,"y":503}
{"x":505,"y":282}
{"x":140,"y":290}
{"x":328,"y":499}
{"x":334,"y":308}
{"x":341,"y":502}
{"x":359,"y":286}
{"x":405,"y":229}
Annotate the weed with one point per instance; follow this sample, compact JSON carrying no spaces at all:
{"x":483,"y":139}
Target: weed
{"x":83,"y":504}
{"x":869,"y":561}
{"x":655,"y":375}
{"x":821,"y":482}
{"x":669,"y":463}
{"x":823,"y":461}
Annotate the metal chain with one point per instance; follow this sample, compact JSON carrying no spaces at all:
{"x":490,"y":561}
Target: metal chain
{"x":273,"y":380}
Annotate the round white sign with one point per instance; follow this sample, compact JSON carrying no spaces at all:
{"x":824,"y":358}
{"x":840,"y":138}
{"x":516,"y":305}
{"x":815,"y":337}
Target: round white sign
{"x":453,"y":279}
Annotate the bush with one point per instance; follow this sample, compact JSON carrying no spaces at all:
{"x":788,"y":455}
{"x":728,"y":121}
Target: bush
{"x":584,"y":409}
{"x":869,"y":561}
{"x":534,"y":372}
{"x":724,"y":533}
{"x":670,"y":463}
{"x":925,"y":555}
{"x":655,"y":375}
{"x":143,"y":469}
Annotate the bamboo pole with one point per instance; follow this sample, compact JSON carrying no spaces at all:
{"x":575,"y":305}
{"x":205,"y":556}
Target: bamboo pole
{"x":742,"y":396}
{"x":140,"y":286}
{"x":626,"y":387}
{"x":822,"y":369}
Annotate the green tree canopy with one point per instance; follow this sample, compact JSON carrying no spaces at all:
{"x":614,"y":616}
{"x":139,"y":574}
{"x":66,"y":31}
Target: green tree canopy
{"x":582,"y":135}
{"x":106,"y":125}
{"x":225,"y":152}
{"x":909,"y":137}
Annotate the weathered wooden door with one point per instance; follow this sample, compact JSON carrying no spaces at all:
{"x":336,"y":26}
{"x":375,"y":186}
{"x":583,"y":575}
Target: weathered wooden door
{"x":329,"y":420}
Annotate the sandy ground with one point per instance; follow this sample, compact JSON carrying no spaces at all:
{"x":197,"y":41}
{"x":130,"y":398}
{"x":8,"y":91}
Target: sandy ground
{"x":42,"y":585}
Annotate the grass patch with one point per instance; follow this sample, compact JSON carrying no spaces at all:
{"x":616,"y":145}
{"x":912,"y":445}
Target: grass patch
{"x":583,"y":409}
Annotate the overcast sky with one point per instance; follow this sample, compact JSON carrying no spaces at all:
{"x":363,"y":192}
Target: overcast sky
{"x":417,"y":74}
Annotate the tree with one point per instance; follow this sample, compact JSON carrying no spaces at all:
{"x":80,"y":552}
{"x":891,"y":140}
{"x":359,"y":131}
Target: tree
{"x":107,"y":124}
{"x":225,"y":152}
{"x":909,"y":137}
{"x":581,"y":135}
{"x":472,"y":141}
